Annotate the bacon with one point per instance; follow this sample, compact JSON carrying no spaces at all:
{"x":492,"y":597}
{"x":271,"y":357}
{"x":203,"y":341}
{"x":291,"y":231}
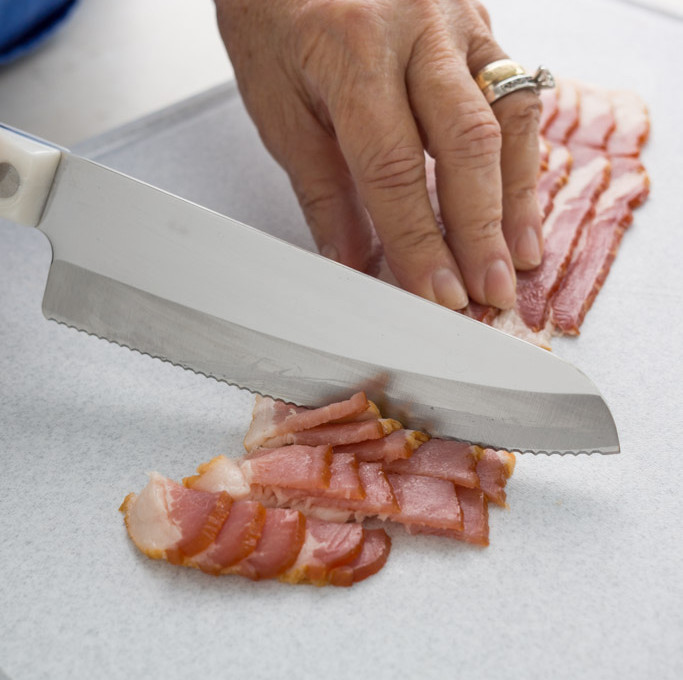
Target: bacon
{"x":295,"y":467}
{"x":398,"y":444}
{"x":596,"y":118}
{"x":337,"y":434}
{"x":549,"y":108}
{"x":272,"y":419}
{"x":554,"y":177}
{"x":425,"y":503}
{"x":595,"y":253}
{"x":327,"y":546}
{"x":573,"y":207}
{"x":494,"y":468}
{"x":372,"y":557}
{"x":442,"y":458}
{"x":219,"y":474}
{"x":566,"y":119}
{"x":632,"y":124}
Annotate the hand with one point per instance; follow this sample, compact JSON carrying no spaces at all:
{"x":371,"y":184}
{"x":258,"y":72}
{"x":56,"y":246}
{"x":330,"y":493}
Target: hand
{"x":347,"y":96}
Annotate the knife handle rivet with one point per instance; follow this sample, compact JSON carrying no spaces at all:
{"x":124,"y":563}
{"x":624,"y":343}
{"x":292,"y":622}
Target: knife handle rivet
{"x":9,"y":180}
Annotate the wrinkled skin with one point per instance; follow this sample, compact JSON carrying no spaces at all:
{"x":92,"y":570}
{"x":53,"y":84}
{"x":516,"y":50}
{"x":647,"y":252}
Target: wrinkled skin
{"x":348,"y":94}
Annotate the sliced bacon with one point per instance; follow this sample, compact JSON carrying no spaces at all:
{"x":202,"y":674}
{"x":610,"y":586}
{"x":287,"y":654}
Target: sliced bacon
{"x":236,"y":540}
{"x":442,"y":458}
{"x":278,"y":547}
{"x":494,"y":468}
{"x":327,"y":546}
{"x":554,"y":177}
{"x":425,"y":502}
{"x":337,"y":434}
{"x":596,"y":118}
{"x":398,"y":444}
{"x":573,"y":207}
{"x":597,"y":249}
{"x":632,"y":124}
{"x":373,"y":556}
{"x":549,"y":107}
{"x":566,"y":119}
{"x":295,"y":467}
{"x":272,"y":418}
{"x":219,"y":474}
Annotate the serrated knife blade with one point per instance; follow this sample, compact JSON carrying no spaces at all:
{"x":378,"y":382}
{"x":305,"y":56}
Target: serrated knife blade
{"x":164,"y":276}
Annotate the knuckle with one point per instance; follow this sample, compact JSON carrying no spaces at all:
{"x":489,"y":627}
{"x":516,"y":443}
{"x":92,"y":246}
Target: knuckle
{"x":397,"y":167}
{"x":473,"y":138}
{"x":478,"y":233}
{"x":407,"y":240}
{"x":522,"y":114}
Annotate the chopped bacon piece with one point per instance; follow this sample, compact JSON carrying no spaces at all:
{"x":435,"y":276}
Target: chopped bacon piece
{"x":327,"y":545}
{"x":281,"y":540}
{"x":566,"y":119}
{"x":442,"y":458}
{"x":398,"y":444}
{"x":236,"y":540}
{"x":219,"y":474}
{"x":295,"y":467}
{"x":597,"y":249}
{"x":373,"y":556}
{"x":272,"y":418}
{"x":494,"y":468}
{"x":632,"y":124}
{"x":337,"y":434}
{"x":425,"y":502}
{"x":596,"y":121}
{"x":572,"y":209}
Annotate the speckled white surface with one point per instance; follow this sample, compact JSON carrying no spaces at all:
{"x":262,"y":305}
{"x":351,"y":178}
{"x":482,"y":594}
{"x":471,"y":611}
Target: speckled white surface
{"x":583,"y":575}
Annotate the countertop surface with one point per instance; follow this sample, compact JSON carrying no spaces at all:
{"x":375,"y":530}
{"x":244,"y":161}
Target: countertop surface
{"x":583,"y":574}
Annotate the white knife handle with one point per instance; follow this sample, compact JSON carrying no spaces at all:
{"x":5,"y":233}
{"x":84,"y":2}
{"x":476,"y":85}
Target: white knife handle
{"x":27,"y":169}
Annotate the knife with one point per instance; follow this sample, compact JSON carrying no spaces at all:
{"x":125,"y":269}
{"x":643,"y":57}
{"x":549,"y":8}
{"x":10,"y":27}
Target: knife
{"x":159,"y":274}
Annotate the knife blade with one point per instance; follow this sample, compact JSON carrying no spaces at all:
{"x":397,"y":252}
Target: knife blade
{"x":159,"y":274}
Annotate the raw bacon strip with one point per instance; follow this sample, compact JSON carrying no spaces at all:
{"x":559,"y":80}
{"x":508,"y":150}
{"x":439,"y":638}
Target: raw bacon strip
{"x":567,"y":117}
{"x":598,"y":247}
{"x":398,"y":444}
{"x":596,"y":118}
{"x":373,"y":556}
{"x":272,"y":418}
{"x":632,"y":124}
{"x":480,"y":312}
{"x":219,"y":474}
{"x":336,"y":434}
{"x":554,"y":177}
{"x":573,"y":207}
{"x":281,"y":540}
{"x":425,"y":502}
{"x":442,"y":458}
{"x":549,"y":107}
{"x":294,"y":467}
{"x":236,"y":540}
{"x":494,"y":468}
{"x":327,"y":545}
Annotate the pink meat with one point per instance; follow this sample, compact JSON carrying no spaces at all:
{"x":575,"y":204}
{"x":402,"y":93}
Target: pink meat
{"x":494,"y":468}
{"x":566,"y":119}
{"x":442,"y":458}
{"x":279,"y":545}
{"x":295,"y":467}
{"x":272,"y":418}
{"x":597,"y":249}
{"x":550,"y":107}
{"x":632,"y":124}
{"x":596,"y":121}
{"x":399,"y":444}
{"x":573,"y":207}
{"x":327,"y":545}
{"x":425,"y":502}
{"x":337,"y":434}
{"x":373,"y":556}
{"x":236,"y":540}
{"x":554,"y":177}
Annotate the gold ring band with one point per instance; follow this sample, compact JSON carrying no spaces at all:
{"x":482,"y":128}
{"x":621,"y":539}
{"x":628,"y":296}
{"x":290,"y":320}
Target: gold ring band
{"x":504,"y":76}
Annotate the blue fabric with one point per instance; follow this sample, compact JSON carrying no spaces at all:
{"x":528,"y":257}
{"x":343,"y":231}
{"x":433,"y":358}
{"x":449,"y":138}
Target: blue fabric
{"x":24,"y":24}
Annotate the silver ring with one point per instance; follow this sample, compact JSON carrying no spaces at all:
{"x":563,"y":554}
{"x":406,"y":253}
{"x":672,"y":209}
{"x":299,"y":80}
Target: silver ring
{"x":502,"y":77}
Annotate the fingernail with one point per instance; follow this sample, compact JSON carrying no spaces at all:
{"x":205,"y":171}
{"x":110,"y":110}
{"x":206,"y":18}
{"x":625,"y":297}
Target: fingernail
{"x":528,"y":248}
{"x":330,"y":252}
{"x":448,"y":290}
{"x":499,"y":285}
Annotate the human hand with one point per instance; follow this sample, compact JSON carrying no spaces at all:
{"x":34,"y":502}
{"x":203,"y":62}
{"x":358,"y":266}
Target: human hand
{"x":347,"y":96}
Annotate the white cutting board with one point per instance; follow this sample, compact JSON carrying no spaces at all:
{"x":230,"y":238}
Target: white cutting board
{"x":583,"y":575}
